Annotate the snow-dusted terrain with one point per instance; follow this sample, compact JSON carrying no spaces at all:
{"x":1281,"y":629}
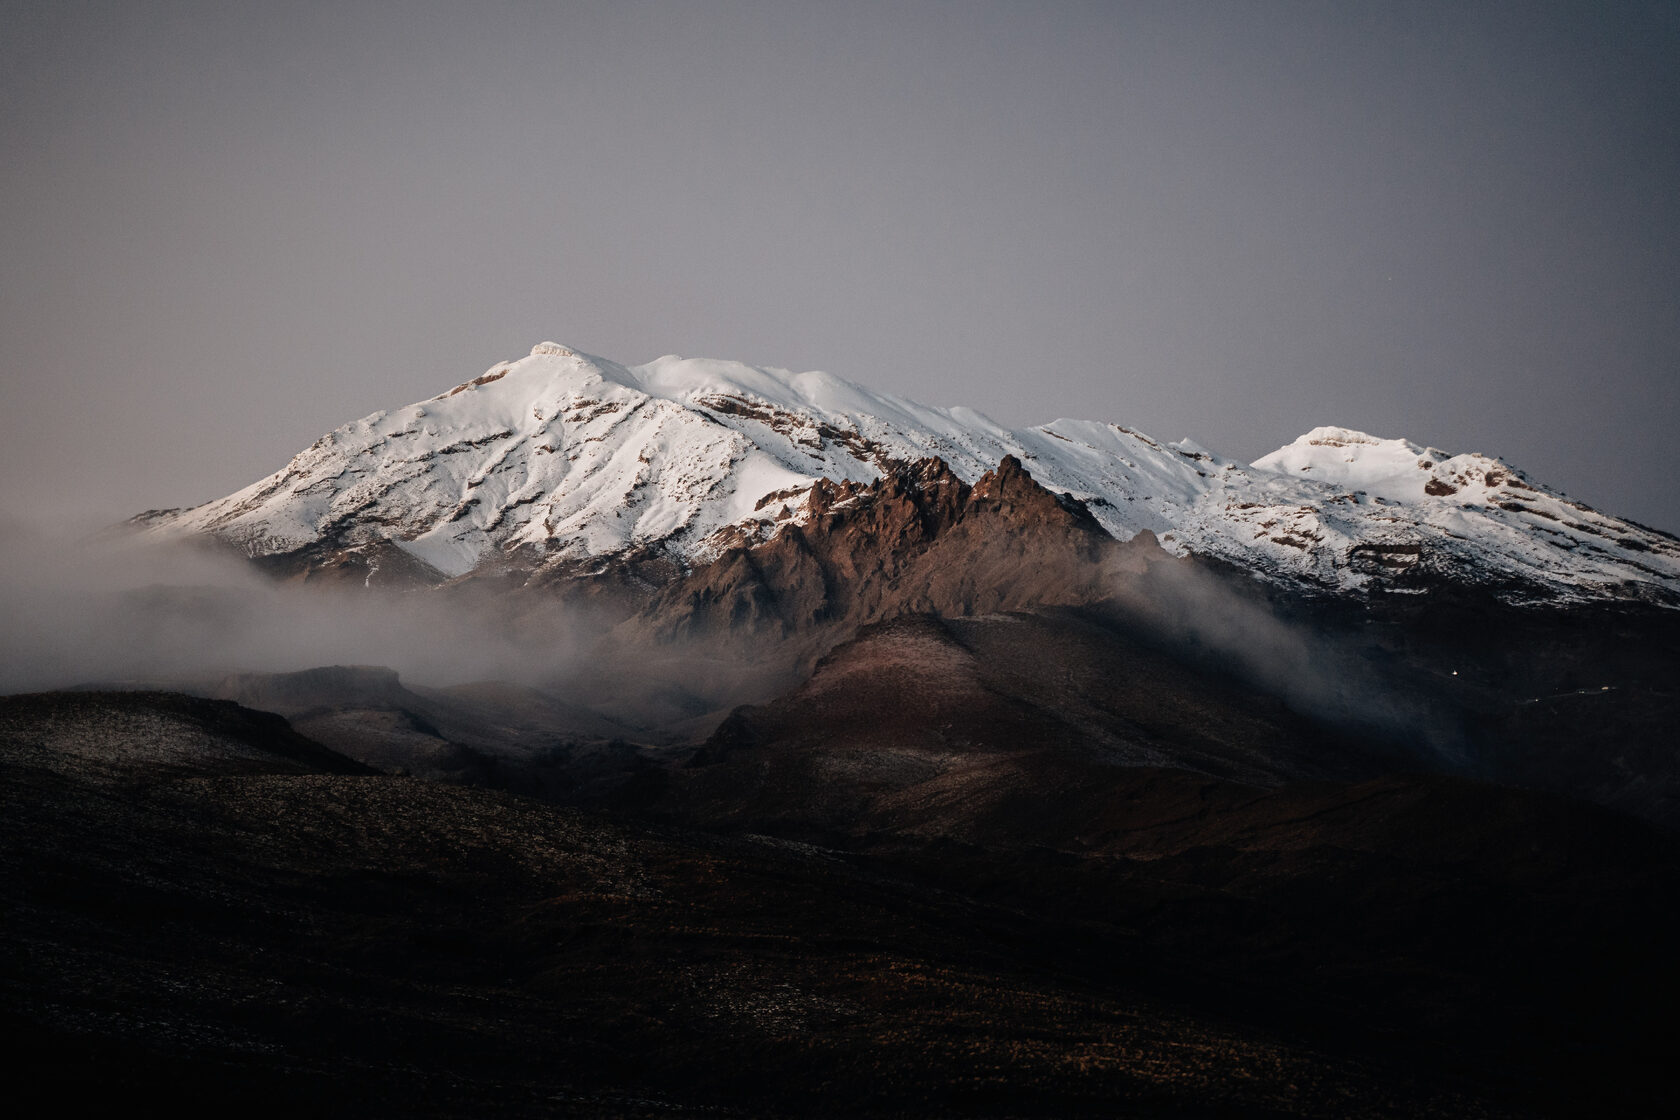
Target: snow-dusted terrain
{"x":560,"y":456}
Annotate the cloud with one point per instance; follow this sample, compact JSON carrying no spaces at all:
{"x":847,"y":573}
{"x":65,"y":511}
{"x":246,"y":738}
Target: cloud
{"x":82,"y":607}
{"x":1304,"y":656}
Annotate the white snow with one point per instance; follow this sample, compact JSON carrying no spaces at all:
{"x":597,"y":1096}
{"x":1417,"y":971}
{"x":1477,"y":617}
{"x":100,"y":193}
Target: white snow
{"x":1390,"y":468}
{"x":564,"y":453}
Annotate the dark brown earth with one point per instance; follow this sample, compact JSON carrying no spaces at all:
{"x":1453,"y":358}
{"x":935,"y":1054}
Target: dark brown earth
{"x":204,"y":914}
{"x":1583,"y":702}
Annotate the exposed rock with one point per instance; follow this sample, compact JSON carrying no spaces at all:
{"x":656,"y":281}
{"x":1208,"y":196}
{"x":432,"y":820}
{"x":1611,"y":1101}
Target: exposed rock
{"x":919,"y":540}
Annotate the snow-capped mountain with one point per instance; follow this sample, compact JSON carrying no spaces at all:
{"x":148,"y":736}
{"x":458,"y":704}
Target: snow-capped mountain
{"x":561,"y":456}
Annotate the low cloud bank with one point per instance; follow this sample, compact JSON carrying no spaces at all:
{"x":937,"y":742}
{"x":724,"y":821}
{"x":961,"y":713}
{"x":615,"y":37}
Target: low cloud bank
{"x":79,"y":606}
{"x":1332,"y":673}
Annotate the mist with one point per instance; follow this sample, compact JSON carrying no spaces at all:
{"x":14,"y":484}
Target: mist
{"x":85,"y":605}
{"x":81,"y":606}
{"x":1333,"y":674}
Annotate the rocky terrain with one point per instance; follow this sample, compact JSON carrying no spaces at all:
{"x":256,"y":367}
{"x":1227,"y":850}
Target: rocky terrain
{"x":204,"y":913}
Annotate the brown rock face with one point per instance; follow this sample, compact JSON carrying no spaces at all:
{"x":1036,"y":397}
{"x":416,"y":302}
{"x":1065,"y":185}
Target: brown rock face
{"x":919,"y":540}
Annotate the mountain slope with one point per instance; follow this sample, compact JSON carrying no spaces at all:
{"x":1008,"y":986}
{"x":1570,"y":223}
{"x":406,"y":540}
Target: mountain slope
{"x":562,"y":460}
{"x":279,"y":937}
{"x":108,"y":737}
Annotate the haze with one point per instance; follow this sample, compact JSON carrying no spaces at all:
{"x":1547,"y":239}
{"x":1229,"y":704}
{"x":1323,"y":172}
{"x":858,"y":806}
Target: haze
{"x":232,"y":227}
{"x":115,"y":612}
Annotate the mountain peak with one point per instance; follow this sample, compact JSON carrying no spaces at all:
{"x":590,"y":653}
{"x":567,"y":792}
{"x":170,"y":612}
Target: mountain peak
{"x":1393,"y":468}
{"x":1341,"y":443}
{"x":560,"y":457}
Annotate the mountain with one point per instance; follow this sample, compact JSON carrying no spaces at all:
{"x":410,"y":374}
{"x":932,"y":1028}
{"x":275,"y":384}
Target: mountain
{"x":704,"y":534}
{"x":562,"y":463}
{"x":843,"y":756}
{"x":1013,"y":728}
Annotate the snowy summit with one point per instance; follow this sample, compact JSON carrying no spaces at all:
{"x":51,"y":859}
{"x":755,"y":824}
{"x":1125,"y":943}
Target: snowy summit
{"x":562,"y":456}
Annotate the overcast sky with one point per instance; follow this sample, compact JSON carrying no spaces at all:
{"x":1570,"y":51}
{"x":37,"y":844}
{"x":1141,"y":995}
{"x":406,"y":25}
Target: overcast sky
{"x":231,"y":227}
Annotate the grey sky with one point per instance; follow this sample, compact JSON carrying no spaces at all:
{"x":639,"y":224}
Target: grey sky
{"x":230,"y":227}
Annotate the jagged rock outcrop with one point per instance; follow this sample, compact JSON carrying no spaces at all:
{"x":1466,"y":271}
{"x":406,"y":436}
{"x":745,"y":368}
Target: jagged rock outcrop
{"x":919,"y":540}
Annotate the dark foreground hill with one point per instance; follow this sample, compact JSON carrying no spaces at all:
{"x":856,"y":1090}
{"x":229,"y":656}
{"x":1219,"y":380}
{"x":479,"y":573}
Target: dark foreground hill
{"x":205,"y":914}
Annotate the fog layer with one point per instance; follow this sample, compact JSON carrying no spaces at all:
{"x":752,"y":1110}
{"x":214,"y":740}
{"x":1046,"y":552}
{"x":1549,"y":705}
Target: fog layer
{"x":80,"y":607}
